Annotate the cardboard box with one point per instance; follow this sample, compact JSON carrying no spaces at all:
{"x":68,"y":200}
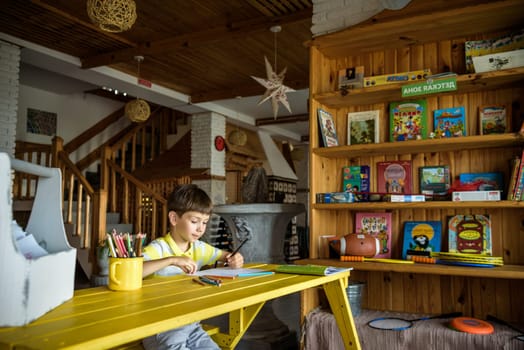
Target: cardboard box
{"x":407,"y":198}
{"x":335,"y":197}
{"x":417,"y":75}
{"x":32,"y":287}
{"x":462,"y":196}
{"x":497,"y":61}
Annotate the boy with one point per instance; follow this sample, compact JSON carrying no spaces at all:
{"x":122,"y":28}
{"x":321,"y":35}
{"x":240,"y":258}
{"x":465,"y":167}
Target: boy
{"x":181,"y":252}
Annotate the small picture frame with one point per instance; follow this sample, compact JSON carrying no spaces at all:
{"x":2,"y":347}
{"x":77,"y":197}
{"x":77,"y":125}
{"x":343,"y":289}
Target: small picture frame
{"x":327,"y":129}
{"x":493,"y":119}
{"x":363,"y":127}
{"x":351,"y":78}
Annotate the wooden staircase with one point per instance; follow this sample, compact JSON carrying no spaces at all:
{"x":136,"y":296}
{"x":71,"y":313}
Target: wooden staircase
{"x":119,"y":200}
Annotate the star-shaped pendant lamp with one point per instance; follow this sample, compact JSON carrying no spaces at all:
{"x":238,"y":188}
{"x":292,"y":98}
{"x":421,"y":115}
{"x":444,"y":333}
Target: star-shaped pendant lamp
{"x":274,"y":84}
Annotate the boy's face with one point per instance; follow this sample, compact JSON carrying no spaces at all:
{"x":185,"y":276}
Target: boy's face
{"x":190,"y":226}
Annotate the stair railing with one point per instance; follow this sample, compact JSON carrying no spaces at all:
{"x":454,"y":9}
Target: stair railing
{"x":84,"y":207}
{"x":136,"y":202}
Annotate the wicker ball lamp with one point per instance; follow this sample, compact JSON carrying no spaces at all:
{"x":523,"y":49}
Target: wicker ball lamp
{"x":237,"y":137}
{"x":137,"y":110}
{"x":112,"y":15}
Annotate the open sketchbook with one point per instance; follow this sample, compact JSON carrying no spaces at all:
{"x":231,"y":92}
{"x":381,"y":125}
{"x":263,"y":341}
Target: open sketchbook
{"x":228,"y":272}
{"x":311,"y":269}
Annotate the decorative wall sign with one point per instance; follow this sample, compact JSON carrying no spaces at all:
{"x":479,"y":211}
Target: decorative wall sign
{"x":220,"y":143}
{"x":41,"y":122}
{"x":430,"y":87}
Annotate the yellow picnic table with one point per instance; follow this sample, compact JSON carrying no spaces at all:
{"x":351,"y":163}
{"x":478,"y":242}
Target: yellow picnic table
{"x":98,"y":318}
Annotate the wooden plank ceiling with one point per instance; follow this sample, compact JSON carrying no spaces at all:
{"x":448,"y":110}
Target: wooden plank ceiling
{"x":207,"y":49}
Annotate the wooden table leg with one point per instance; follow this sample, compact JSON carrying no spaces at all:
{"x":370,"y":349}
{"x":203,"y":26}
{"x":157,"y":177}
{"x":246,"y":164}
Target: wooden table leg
{"x":338,"y":301}
{"x":239,"y":321}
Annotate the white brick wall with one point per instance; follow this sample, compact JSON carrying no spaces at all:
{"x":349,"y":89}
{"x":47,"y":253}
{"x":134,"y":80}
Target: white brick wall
{"x":9,"y":73}
{"x":205,"y":127}
{"x":215,"y":189}
{"x":333,"y":15}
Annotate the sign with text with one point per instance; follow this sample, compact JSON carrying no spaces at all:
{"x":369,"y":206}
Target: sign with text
{"x":430,"y":87}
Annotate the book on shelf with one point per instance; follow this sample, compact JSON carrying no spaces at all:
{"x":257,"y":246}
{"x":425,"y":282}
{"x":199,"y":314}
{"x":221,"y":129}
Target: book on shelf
{"x":514,"y":165}
{"x":377,"y":225}
{"x":363,"y":127}
{"x":355,"y":179}
{"x":434,"y":181}
{"x":394,"y":177}
{"x":469,"y":234}
{"x":408,"y":120}
{"x":421,"y":238}
{"x":493,"y":119}
{"x":327,"y":130}
{"x":449,"y":122}
{"x":318,"y":270}
{"x":519,"y":182}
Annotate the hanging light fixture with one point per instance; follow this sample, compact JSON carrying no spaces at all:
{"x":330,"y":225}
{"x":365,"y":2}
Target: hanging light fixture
{"x":113,"y":16}
{"x":237,"y":137}
{"x":274,"y":84}
{"x":137,"y":110}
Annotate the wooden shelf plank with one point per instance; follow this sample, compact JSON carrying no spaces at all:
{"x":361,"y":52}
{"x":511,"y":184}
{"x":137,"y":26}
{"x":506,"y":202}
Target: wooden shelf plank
{"x":506,"y":271}
{"x":418,"y":20}
{"x":362,"y":206}
{"x":422,"y":146}
{"x":392,"y":92}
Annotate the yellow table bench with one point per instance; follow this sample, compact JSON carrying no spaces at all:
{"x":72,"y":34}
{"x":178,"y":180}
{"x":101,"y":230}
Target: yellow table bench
{"x":98,"y":318}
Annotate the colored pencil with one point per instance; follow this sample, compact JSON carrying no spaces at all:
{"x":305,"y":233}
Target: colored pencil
{"x":196,"y":280}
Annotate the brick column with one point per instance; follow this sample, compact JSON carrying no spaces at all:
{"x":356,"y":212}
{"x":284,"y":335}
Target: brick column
{"x":205,"y":127}
{"x":9,"y":82}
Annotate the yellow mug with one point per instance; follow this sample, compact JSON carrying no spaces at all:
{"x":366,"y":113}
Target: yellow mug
{"x":125,"y":273}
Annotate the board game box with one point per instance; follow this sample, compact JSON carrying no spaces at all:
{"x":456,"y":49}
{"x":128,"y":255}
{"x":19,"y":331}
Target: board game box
{"x":394,"y":177}
{"x":469,"y":234}
{"x":489,"y":181}
{"x":435,"y":181}
{"x":355,"y":178}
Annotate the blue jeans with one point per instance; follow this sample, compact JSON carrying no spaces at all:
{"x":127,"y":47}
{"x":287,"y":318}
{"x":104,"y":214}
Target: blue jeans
{"x":187,"y":337}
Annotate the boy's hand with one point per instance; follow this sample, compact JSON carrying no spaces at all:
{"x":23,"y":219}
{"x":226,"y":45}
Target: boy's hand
{"x":236,"y":261}
{"x":186,"y":264}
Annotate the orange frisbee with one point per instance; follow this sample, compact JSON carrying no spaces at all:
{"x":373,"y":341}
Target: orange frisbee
{"x":471,"y":325}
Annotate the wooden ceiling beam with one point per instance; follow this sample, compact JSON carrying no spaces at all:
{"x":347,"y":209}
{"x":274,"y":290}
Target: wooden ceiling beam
{"x":195,"y":39}
{"x":243,"y":91}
